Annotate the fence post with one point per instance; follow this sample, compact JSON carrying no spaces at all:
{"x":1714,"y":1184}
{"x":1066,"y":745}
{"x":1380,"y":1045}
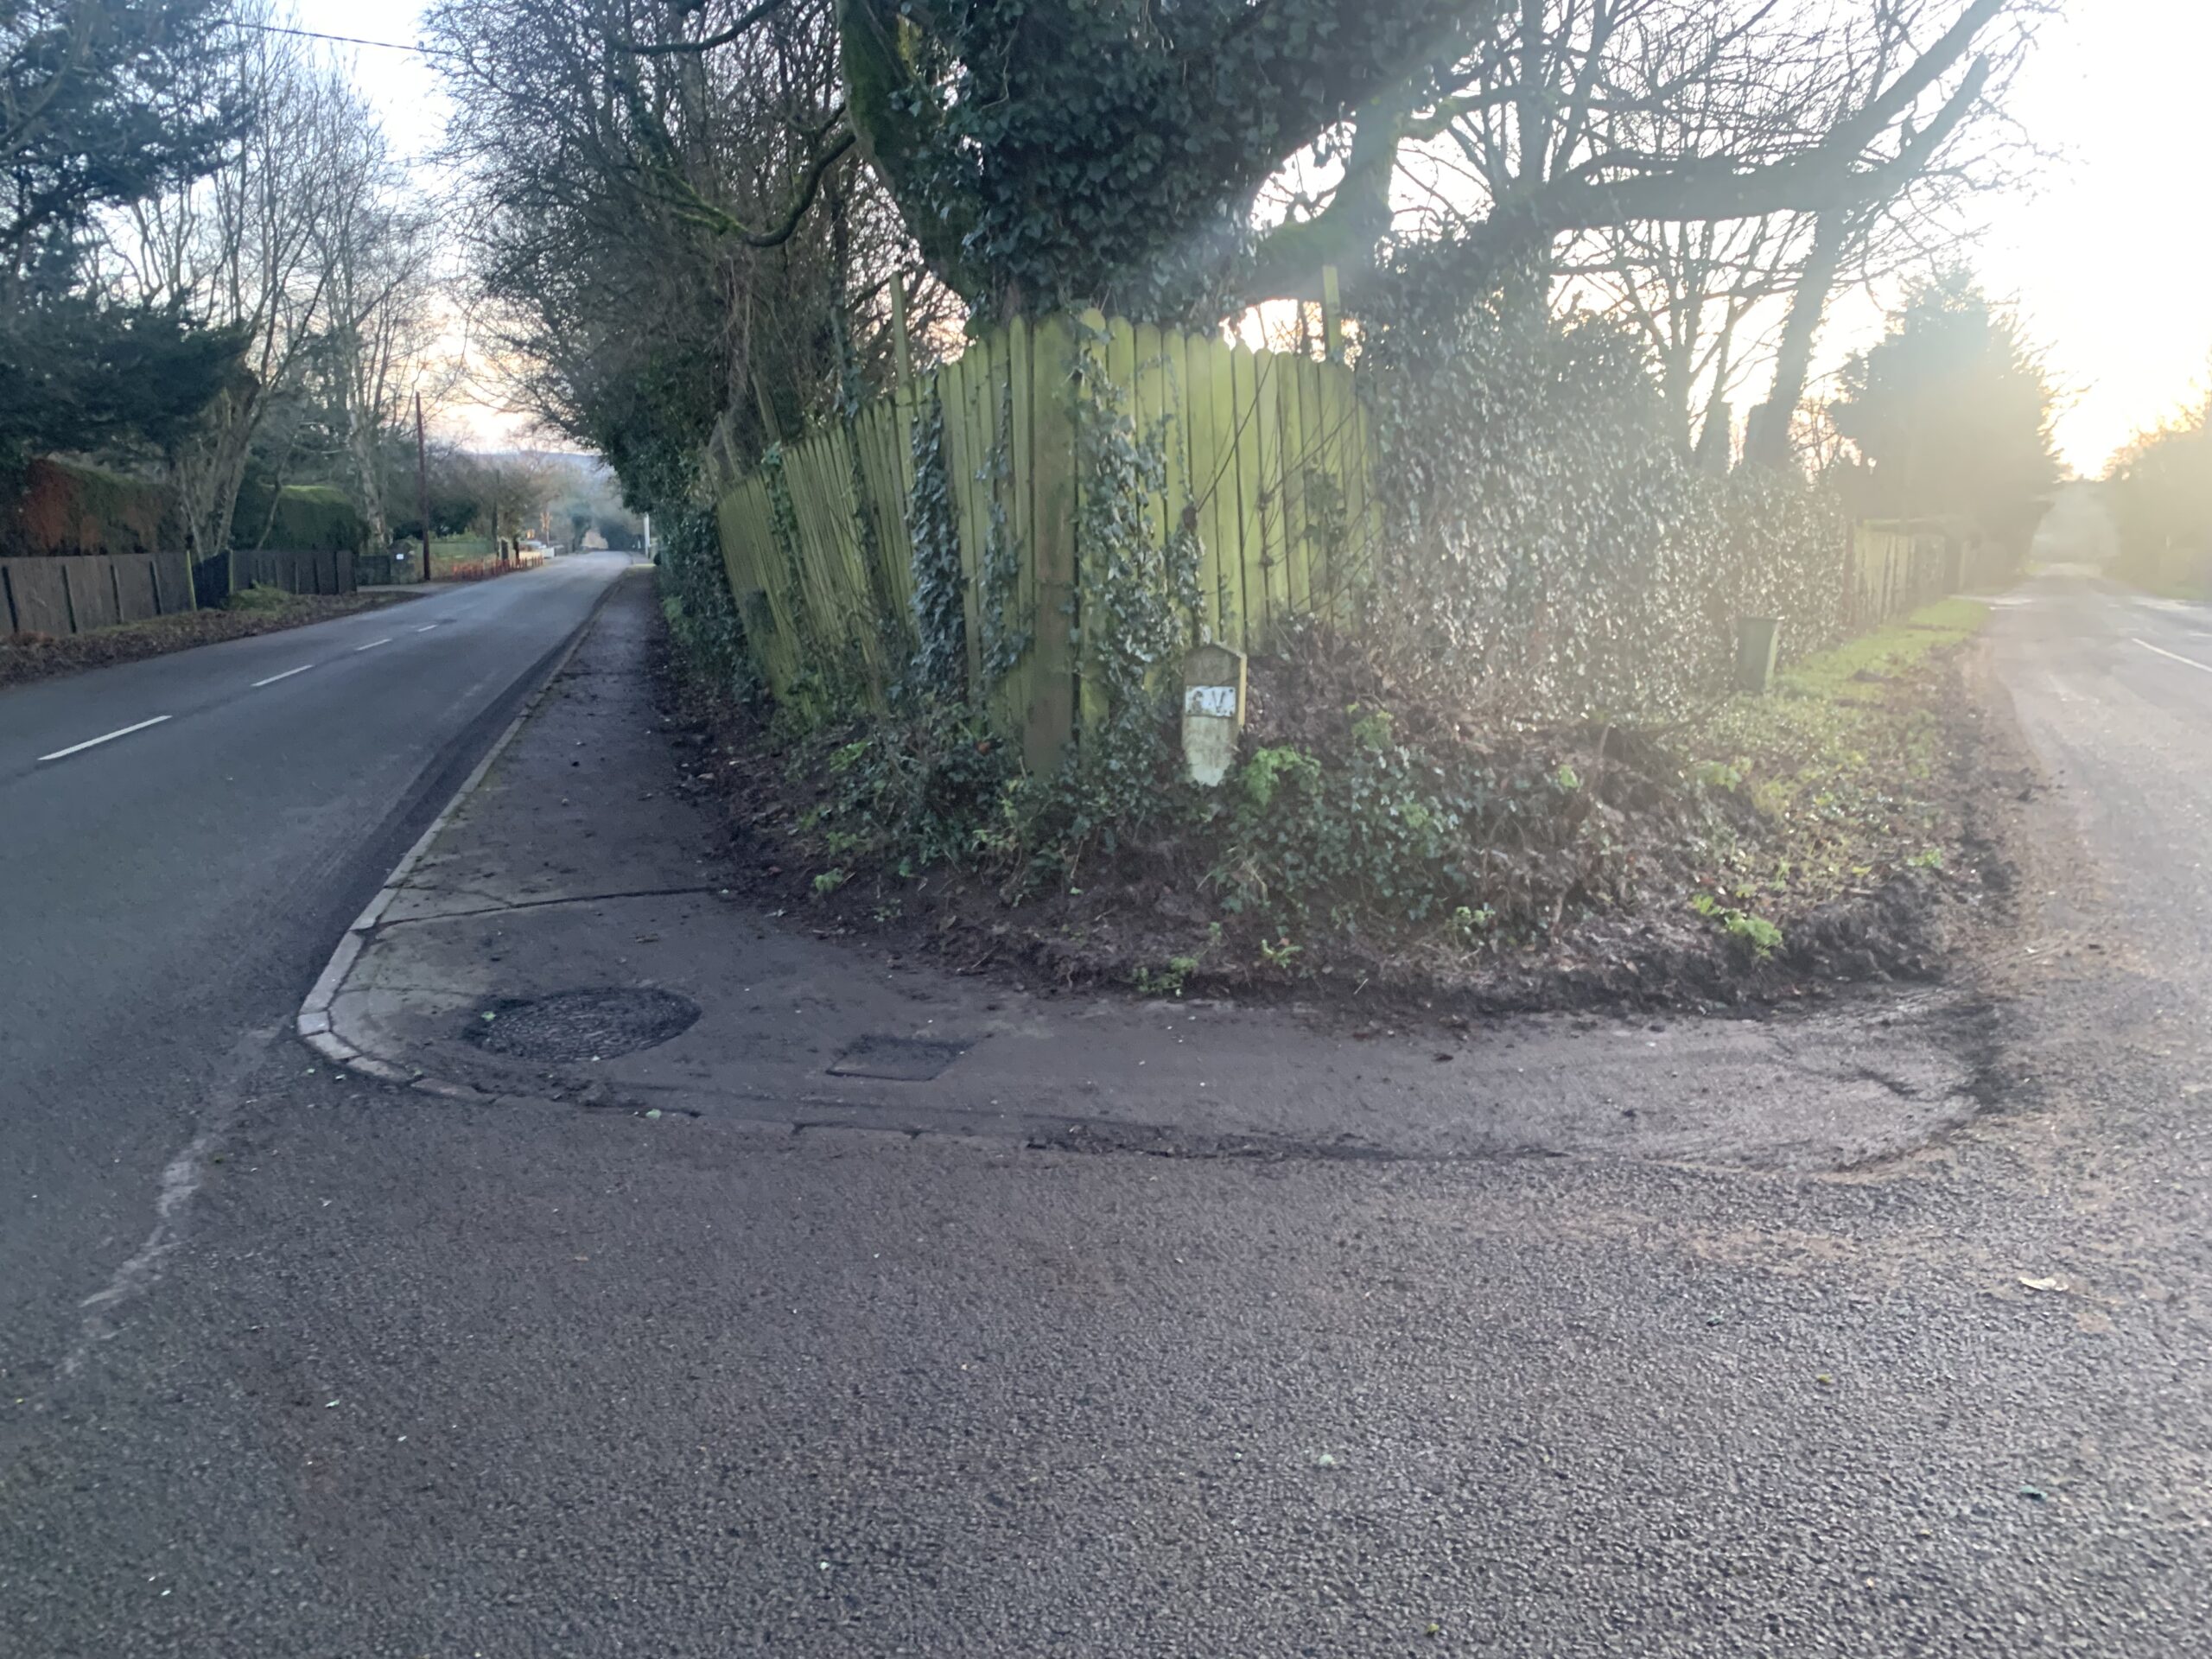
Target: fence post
{"x":904,"y":352}
{"x":1332,"y":316}
{"x":1848,"y":597}
{"x":1048,"y":725}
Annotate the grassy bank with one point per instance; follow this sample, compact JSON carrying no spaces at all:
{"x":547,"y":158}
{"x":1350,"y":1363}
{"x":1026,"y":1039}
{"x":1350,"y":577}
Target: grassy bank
{"x":1846,"y":764}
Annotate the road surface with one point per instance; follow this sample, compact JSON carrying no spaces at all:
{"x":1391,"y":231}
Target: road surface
{"x":421,"y":1378}
{"x":180,"y":840}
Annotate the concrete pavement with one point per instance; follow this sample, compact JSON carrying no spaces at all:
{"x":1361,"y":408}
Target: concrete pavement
{"x":514,"y":1377}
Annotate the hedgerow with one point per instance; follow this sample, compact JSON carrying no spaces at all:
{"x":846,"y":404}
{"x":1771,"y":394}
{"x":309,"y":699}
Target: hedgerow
{"x":1550,"y":554}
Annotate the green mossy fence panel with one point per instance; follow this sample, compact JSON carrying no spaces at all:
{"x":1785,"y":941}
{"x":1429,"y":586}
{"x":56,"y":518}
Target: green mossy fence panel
{"x":1049,"y":723}
{"x":960,"y":463}
{"x":1105,"y":345}
{"x":1297,"y":546}
{"x":767,"y":603}
{"x":1148,"y":414}
{"x":1218,"y":571}
{"x":1012,"y":695}
{"x":1251,"y":535}
{"x":881,"y":435}
{"x":1175,"y":387}
{"x":1275,"y":552}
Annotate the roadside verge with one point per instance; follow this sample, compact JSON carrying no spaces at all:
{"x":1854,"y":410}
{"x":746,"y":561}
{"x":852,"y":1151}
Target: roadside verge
{"x":569,"y":932}
{"x":27,"y":658}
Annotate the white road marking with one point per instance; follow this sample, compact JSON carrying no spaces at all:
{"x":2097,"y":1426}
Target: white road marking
{"x":286,"y":675}
{"x":95,"y":742}
{"x":2201,"y":667}
{"x":426,"y":627}
{"x":372,"y":645}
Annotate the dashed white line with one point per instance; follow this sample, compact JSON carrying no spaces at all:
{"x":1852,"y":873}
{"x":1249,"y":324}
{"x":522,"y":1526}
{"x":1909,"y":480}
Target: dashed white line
{"x":426,"y":627}
{"x":95,"y":742}
{"x":286,"y":675}
{"x":372,"y":645}
{"x":2205,"y":668}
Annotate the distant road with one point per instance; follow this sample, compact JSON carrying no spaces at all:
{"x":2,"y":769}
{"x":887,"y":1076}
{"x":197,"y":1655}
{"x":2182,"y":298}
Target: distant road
{"x":182,"y":841}
{"x":2114,"y":689}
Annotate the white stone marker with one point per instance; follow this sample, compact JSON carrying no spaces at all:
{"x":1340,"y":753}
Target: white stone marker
{"x":1213,"y":711}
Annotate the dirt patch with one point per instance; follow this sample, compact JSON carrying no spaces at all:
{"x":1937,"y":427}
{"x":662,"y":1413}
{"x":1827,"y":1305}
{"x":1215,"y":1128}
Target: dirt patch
{"x":26,"y":656}
{"x":1887,"y":880}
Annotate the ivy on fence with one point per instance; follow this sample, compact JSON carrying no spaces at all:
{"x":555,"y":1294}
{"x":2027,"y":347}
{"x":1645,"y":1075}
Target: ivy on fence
{"x":940,"y":616}
{"x":702,"y":616}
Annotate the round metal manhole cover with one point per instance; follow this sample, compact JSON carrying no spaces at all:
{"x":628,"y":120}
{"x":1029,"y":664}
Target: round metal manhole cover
{"x":590,"y":1025}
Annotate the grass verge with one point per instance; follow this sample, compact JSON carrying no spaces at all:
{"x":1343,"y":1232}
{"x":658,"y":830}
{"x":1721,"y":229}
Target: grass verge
{"x":1846,"y":765}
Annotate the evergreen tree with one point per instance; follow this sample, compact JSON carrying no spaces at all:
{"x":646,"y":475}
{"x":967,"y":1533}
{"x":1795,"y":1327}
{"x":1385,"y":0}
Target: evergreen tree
{"x":103,"y":103}
{"x":1951,"y":413}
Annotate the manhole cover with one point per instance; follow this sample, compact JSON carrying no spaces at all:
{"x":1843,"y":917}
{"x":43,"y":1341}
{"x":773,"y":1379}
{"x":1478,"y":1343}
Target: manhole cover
{"x":593,"y":1024}
{"x":902,"y":1060}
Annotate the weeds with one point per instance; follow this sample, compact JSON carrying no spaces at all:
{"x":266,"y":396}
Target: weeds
{"x":1169,"y":980}
{"x":262,"y":597}
{"x":1759,"y":937}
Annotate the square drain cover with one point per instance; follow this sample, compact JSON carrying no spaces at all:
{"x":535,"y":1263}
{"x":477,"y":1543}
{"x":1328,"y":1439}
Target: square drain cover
{"x":902,"y":1060}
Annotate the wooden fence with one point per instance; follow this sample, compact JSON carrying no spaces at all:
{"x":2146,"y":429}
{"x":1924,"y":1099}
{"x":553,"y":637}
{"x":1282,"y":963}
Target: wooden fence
{"x":1895,"y":566}
{"x":76,"y":593}
{"x":311,"y":570}
{"x":1268,"y":458}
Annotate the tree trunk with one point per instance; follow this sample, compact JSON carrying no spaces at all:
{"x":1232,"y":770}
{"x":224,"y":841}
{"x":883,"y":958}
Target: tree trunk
{"x":1766,"y":438}
{"x":207,"y":469}
{"x":361,"y":449}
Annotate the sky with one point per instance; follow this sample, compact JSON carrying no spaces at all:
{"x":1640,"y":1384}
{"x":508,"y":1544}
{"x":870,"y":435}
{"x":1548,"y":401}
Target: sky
{"x":2107,"y":261}
{"x":2105,"y":258}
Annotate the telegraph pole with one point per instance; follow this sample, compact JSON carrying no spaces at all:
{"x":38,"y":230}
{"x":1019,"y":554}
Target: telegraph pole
{"x":423,"y":484}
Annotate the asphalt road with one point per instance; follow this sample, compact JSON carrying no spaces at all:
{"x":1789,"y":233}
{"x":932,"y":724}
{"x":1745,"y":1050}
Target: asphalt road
{"x":420,"y":1379}
{"x":167,"y":895}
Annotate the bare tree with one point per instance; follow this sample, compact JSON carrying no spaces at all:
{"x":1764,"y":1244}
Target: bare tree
{"x":1568,"y":118}
{"x":668,"y":223}
{"x":248,"y":248}
{"x":384,"y":324}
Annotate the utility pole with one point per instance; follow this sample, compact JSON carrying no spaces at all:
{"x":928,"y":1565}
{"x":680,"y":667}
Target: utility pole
{"x":423,"y":484}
